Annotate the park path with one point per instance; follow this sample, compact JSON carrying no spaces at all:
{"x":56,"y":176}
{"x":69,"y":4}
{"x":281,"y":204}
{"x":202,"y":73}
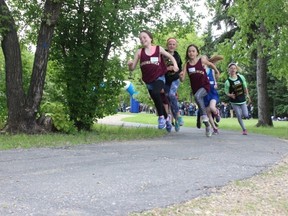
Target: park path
{"x":117,"y":178}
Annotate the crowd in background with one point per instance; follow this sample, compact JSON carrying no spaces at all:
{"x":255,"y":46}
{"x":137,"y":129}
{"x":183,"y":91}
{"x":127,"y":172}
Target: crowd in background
{"x":188,"y":109}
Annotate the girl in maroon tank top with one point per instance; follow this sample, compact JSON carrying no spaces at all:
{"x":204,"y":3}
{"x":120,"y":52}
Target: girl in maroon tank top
{"x":153,"y":70}
{"x":194,"y":68}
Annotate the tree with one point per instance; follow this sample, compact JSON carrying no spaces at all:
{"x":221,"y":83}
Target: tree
{"x":100,"y":25}
{"x":259,"y":38}
{"x":87,"y":34}
{"x":23,"y":107}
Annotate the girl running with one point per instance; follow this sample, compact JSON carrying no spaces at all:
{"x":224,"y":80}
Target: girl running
{"x":153,"y":73}
{"x":172,"y":82}
{"x":195,"y":68}
{"x":237,"y":91}
{"x":212,"y":98}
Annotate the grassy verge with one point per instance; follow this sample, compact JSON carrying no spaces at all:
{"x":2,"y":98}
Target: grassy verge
{"x":280,"y":128}
{"x":100,"y":133}
{"x":265,"y":194}
{"x":103,"y":133}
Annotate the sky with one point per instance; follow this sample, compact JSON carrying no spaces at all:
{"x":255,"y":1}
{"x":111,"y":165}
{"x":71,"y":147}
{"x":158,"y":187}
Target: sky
{"x":134,"y":41}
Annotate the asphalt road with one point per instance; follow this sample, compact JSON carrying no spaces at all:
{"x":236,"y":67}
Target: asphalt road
{"x":117,"y":178}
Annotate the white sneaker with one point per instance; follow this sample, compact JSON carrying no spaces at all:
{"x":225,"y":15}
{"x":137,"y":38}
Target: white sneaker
{"x":208,"y":132}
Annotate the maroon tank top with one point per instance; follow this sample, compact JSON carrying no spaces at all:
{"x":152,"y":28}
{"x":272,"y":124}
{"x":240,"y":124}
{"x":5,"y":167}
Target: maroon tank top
{"x":151,"y":65}
{"x":198,"y":77}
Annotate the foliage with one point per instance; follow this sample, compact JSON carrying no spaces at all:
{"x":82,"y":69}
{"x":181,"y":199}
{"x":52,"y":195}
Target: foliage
{"x":27,"y":63}
{"x":87,"y":41}
{"x":3,"y":104}
{"x":61,"y":120}
{"x":241,"y":38}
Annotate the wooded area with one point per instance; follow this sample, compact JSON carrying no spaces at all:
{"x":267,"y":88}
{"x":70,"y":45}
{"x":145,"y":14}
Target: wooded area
{"x":64,"y":61}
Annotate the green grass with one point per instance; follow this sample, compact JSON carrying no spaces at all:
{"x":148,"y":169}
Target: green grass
{"x":104,"y":133}
{"x":99,"y":134}
{"x":280,"y":128}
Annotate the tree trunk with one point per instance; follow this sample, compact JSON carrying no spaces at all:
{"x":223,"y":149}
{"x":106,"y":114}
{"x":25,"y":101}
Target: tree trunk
{"x":22,"y":109}
{"x":264,"y":115}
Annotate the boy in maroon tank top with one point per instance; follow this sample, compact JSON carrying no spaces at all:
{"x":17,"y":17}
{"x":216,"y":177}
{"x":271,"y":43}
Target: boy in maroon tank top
{"x":199,"y":82}
{"x":153,"y":70}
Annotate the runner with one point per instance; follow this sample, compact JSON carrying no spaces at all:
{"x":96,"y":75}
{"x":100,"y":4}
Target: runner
{"x":237,"y":91}
{"x":153,"y":73}
{"x":212,"y":98}
{"x":172,"y":82}
{"x":199,"y":82}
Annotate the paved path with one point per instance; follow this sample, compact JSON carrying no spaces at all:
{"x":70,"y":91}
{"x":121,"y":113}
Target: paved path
{"x":116,"y":178}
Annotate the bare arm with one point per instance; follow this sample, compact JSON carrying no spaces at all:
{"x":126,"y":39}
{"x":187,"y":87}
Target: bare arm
{"x":183,"y":73}
{"x":215,"y":81}
{"x":132,"y":63}
{"x":211,"y":65}
{"x":168,"y":55}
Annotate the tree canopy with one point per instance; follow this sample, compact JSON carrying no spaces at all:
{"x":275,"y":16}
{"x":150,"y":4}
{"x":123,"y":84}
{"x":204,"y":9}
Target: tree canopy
{"x":86,"y":60}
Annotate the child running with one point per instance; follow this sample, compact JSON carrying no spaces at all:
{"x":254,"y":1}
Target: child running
{"x":212,"y":98}
{"x":237,"y":91}
{"x":195,"y":68}
{"x":153,"y":73}
{"x":172,"y":82}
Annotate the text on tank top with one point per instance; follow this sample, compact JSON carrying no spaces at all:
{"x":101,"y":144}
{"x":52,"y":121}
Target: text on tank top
{"x":198,"y":77}
{"x":236,"y":87}
{"x":151,"y":65}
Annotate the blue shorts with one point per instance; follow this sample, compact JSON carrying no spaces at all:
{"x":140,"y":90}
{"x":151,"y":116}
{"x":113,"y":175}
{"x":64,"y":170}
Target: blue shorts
{"x":212,"y":94}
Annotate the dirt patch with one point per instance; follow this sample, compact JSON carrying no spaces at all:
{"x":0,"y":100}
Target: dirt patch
{"x":264,"y":194}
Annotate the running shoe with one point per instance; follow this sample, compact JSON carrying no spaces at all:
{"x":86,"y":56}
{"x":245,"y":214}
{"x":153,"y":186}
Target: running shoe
{"x":161,"y":122}
{"x":177,"y":126}
{"x":168,"y":124}
{"x":245,"y":132}
{"x":198,"y":123}
{"x":215,"y":132}
{"x":180,"y":121}
{"x":207,"y":131}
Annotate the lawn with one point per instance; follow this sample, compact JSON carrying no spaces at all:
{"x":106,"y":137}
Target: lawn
{"x":279,"y":129}
{"x":104,"y":133}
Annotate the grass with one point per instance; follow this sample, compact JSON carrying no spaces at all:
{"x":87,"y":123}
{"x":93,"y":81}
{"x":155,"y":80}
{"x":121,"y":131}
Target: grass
{"x":99,"y":134}
{"x":104,"y":133}
{"x":280,"y":128}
